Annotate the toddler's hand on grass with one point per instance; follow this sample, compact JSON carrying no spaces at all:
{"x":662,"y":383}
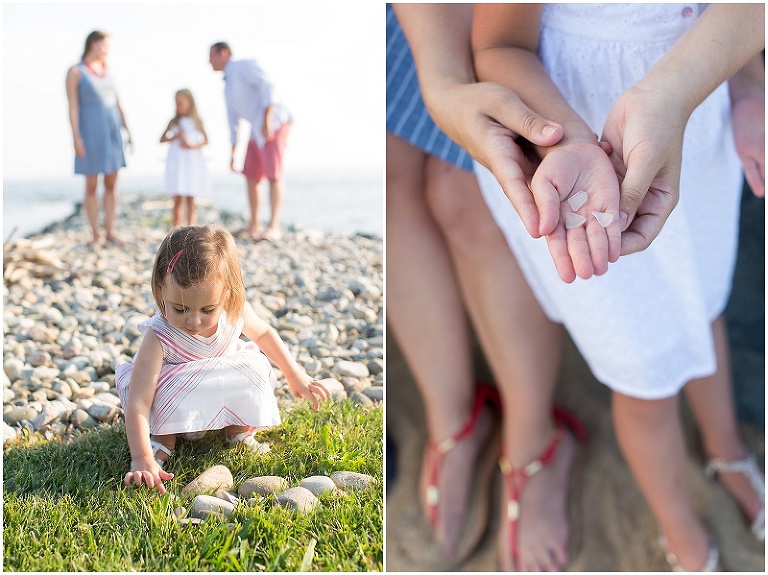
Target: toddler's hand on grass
{"x":579,"y":178}
{"x":314,"y":391}
{"x":149,"y":473}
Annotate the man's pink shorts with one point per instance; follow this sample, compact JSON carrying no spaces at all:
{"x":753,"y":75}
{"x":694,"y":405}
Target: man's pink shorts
{"x":269,"y":160}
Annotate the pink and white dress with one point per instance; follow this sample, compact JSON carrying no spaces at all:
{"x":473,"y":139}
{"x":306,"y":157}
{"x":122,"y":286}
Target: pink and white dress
{"x":206,"y":383}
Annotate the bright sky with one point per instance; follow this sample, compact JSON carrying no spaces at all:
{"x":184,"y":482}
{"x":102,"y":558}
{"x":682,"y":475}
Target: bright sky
{"x":325,"y":59}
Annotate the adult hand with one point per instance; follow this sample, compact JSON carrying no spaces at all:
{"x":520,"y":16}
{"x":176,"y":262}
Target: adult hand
{"x":645,"y":131}
{"x":749,"y":134}
{"x":147,"y":472}
{"x":485,"y":119}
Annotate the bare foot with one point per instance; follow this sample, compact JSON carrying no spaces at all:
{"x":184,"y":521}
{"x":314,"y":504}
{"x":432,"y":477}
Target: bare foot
{"x":543,"y":517}
{"x":115,"y":240}
{"x":271,"y":234}
{"x":463,"y":477}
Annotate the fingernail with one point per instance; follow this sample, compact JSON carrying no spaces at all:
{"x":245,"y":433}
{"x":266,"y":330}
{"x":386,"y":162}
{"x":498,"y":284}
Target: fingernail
{"x":548,"y":130}
{"x":624,"y":220}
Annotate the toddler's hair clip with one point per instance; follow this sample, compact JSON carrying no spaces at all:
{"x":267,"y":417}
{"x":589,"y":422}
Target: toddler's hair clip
{"x":174,"y":259}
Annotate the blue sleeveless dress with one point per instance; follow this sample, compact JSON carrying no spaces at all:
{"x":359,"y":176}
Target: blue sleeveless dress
{"x":99,"y":124}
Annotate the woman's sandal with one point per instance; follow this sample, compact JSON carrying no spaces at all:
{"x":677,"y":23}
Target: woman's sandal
{"x":436,"y":452}
{"x":516,"y":478}
{"x":156,"y":447}
{"x":748,"y":467}
{"x":712,"y":564}
{"x":246,"y":438}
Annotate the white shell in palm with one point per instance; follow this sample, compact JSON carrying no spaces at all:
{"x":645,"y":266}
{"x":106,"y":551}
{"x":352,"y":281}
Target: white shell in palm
{"x":573,"y":220}
{"x":577,"y":200}
{"x":603,"y":218}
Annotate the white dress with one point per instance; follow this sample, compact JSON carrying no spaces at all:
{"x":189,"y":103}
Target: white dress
{"x":644,"y":326}
{"x":185,"y":170}
{"x":206,"y":382}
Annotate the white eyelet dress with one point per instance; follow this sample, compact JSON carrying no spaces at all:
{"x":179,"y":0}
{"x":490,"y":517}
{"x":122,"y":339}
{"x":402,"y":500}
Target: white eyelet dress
{"x":644,"y":327}
{"x":206,"y":383}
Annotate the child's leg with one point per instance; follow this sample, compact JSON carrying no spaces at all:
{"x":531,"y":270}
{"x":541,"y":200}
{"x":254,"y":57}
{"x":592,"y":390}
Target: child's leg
{"x":191,"y":211}
{"x":651,"y":437}
{"x":425,"y":312}
{"x":91,"y":205}
{"x":711,"y":400}
{"x":168,"y":440}
{"x":523,"y":348}
{"x":176,"y":214}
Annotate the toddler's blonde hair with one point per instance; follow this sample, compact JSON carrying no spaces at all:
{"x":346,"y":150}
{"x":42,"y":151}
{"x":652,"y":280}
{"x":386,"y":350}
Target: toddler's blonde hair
{"x":207,"y":253}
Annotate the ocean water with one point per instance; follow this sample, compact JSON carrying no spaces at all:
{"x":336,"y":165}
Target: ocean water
{"x":347,"y":204}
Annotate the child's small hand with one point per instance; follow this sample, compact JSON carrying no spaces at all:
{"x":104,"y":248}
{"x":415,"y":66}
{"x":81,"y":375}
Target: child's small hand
{"x":147,"y":472}
{"x":580,"y":176}
{"x":311,"y":391}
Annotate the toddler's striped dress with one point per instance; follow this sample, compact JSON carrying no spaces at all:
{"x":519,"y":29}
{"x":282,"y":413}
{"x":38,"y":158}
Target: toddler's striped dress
{"x":206,"y":382}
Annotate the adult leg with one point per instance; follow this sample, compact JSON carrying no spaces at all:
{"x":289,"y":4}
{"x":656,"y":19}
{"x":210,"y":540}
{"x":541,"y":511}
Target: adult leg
{"x":425,"y":313}
{"x":254,"y":199}
{"x":276,"y":204}
{"x":176,"y":213}
{"x":651,"y":437}
{"x":711,"y":400}
{"x":91,"y":206}
{"x":110,"y":207}
{"x":273,"y":167}
{"x":191,"y":211}
{"x":523,"y":349}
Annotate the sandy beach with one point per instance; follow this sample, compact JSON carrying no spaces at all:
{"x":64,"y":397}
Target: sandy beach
{"x":71,"y":312}
{"x":612,"y":528}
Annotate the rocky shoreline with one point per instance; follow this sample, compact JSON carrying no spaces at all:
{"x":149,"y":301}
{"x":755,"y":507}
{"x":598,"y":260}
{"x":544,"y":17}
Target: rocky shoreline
{"x":71,"y":313}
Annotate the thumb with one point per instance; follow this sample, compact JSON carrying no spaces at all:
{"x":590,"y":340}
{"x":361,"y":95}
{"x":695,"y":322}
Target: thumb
{"x":635,"y":186}
{"x":516,"y":116}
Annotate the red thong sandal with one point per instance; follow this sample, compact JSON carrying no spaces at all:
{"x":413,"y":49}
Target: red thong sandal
{"x":516,"y":478}
{"x":436,"y":452}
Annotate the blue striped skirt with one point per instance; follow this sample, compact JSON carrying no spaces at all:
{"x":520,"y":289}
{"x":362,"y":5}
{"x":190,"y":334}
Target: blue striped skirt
{"x":407,"y":116}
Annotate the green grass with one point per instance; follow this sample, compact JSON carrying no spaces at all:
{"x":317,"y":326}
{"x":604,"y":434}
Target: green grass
{"x":65,"y":508}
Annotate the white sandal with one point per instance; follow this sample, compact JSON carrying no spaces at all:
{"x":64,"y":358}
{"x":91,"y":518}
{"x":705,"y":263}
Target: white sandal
{"x":157,"y":446}
{"x":246,"y":438}
{"x":748,"y":467}
{"x":712,"y":564}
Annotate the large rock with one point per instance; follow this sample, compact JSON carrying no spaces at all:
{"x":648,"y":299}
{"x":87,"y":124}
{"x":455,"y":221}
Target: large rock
{"x":351,"y":369}
{"x":351,"y":481}
{"x":318,"y":484}
{"x":205,"y":505}
{"x":265,"y":485}
{"x":298,"y":499}
{"x":210,"y":480}
{"x":52,"y":411}
{"x":335,"y":388}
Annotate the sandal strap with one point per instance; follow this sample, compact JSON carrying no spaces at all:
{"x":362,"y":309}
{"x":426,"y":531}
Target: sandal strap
{"x":758,"y":525}
{"x":157,"y":446}
{"x":438,"y":449}
{"x":710,"y":566}
{"x":516,"y":479}
{"x":747,"y":466}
